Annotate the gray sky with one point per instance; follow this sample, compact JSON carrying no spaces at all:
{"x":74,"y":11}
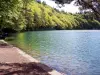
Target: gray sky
{"x":68,"y":7}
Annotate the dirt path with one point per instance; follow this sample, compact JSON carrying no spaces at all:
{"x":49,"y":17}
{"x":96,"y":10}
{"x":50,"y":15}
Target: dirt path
{"x":10,"y":54}
{"x":13,"y":61}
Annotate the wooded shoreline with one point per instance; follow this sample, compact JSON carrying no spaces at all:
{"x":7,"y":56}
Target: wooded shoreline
{"x":39,"y":16}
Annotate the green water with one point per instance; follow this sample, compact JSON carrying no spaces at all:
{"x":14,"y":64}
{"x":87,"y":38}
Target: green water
{"x":70,"y":52}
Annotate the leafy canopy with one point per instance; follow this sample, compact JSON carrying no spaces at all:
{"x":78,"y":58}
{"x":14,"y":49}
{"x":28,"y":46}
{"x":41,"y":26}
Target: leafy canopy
{"x":86,"y":4}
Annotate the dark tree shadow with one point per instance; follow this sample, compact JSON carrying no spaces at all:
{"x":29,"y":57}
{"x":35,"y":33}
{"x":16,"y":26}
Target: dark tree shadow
{"x":24,"y":69}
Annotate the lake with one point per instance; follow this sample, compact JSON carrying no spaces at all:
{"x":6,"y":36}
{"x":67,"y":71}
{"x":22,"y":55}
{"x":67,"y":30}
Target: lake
{"x":72,"y":52}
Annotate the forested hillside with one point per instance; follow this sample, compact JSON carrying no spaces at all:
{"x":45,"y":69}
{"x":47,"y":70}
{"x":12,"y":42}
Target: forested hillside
{"x":32,"y":15}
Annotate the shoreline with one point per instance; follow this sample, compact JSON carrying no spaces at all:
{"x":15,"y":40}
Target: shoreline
{"x":62,"y":30}
{"x":31,"y":59}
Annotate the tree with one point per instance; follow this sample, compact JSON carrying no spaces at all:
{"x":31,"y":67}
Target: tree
{"x":44,"y":3}
{"x":10,"y":11}
{"x":91,"y":4}
{"x":63,"y":1}
{"x":7,"y":7}
{"x":21,"y":15}
{"x":86,"y":4}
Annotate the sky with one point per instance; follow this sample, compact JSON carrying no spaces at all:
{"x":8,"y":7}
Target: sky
{"x":67,"y":7}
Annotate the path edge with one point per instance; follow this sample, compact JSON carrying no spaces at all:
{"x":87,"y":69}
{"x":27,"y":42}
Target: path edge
{"x":31,"y":59}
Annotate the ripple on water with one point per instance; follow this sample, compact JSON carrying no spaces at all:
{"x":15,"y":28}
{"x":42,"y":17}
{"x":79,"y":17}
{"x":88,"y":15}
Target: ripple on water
{"x":70,"y":52}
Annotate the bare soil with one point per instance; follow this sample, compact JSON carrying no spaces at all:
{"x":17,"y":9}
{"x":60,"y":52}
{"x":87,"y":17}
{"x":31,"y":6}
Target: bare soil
{"x":13,"y":63}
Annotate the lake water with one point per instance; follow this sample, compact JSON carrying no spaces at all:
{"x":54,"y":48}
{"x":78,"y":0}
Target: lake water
{"x":70,"y":52}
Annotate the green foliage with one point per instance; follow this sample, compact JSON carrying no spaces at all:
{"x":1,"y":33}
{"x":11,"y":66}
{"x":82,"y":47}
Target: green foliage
{"x":23,"y":15}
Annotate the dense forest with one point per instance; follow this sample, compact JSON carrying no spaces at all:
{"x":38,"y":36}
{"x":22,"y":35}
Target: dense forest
{"x":31,"y":15}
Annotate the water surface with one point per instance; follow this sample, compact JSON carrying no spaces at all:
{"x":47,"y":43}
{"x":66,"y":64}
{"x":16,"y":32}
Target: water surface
{"x":70,"y":52}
